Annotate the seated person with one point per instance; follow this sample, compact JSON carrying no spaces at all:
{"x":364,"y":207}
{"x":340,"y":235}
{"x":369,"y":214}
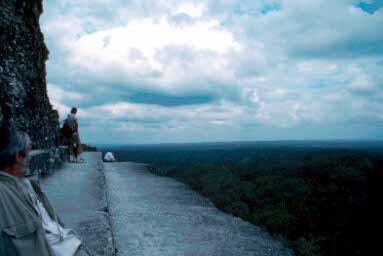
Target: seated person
{"x":28,"y":225}
{"x":109,"y":157}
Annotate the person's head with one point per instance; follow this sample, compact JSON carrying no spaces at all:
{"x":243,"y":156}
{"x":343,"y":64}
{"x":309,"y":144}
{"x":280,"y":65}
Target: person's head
{"x":73,"y":111}
{"x":15,"y":152}
{"x":113,"y":152}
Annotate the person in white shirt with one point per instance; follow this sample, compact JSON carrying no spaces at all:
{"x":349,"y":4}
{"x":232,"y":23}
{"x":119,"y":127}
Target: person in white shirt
{"x":109,"y":157}
{"x":72,"y":121}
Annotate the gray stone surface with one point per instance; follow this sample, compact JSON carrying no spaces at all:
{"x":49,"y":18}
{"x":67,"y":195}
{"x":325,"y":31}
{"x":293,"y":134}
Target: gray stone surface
{"x":46,"y":161}
{"x":150,"y":215}
{"x":154,"y":215}
{"x":23,"y":92}
{"x":77,"y":192}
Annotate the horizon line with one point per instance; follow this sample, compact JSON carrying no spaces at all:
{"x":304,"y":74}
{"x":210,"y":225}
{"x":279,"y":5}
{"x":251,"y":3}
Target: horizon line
{"x":239,"y":141}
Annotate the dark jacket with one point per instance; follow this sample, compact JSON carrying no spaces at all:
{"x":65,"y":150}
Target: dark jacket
{"x":22,"y":232}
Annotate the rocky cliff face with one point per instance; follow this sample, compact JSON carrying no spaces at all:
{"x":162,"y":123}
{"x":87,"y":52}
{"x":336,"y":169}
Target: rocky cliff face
{"x":23,"y":92}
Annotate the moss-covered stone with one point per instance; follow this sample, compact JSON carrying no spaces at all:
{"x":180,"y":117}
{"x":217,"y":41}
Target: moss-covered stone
{"x":23,"y":90}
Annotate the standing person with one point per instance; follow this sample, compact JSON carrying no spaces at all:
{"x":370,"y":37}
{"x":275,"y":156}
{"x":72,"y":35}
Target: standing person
{"x":109,"y":157}
{"x":74,"y":140}
{"x":28,"y":225}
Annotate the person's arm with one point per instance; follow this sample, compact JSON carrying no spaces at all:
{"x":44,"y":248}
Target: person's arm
{"x":76,"y":125}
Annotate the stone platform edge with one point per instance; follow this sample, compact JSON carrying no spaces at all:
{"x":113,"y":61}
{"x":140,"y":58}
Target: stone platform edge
{"x":47,"y":161}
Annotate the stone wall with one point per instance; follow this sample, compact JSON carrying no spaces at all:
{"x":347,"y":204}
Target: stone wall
{"x":46,"y":162}
{"x":23,"y":92}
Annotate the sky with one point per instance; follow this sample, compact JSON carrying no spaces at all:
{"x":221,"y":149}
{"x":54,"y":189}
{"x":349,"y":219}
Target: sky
{"x":168,"y":71}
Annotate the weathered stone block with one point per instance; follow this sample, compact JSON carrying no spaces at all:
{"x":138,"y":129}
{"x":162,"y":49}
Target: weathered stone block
{"x":22,"y":58}
{"x":45,"y":162}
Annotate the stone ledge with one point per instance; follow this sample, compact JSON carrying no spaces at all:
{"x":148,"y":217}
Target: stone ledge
{"x":46,"y":161}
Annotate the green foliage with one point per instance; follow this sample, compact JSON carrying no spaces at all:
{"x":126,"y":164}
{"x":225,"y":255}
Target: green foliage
{"x":88,"y":148}
{"x":275,"y":220}
{"x":308,"y":247}
{"x":320,"y":201}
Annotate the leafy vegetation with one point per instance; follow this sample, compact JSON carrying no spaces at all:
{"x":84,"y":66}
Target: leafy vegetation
{"x":318,"y":199}
{"x":88,"y":148}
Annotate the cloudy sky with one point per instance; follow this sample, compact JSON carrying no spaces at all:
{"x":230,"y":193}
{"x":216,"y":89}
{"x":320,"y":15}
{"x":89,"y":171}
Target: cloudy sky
{"x":156,"y":71}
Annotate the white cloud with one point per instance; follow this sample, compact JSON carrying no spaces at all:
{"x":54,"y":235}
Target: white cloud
{"x":259,"y":63}
{"x":148,"y":36}
{"x":56,"y":93}
{"x":139,"y":51}
{"x":62,"y":100}
{"x":130,"y":127}
{"x":362,"y":86}
{"x":190,"y":9}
